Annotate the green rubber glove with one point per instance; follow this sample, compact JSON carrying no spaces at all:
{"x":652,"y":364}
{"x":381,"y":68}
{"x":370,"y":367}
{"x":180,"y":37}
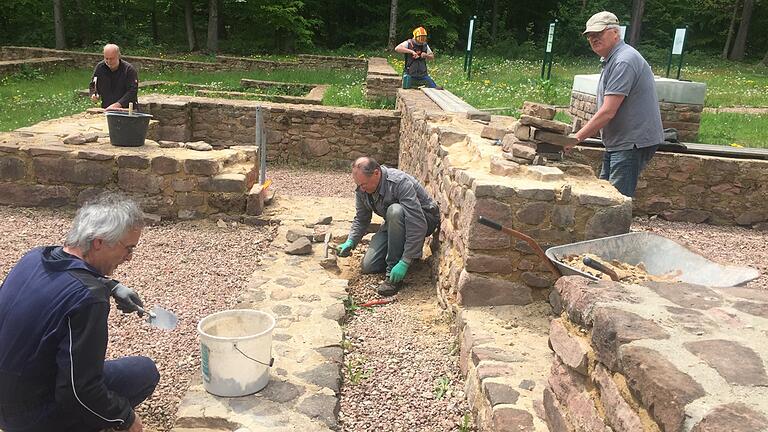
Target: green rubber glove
{"x":398,"y":272}
{"x":345,"y":249}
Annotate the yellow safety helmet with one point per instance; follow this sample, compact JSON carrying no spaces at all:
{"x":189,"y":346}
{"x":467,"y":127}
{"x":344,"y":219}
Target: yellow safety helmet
{"x":420,"y":31}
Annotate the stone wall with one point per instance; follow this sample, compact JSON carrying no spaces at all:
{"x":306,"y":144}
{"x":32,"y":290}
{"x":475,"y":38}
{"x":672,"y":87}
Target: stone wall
{"x":46,"y":63}
{"x":89,"y":60}
{"x":696,"y":188}
{"x":295,"y":133}
{"x":683,"y":117}
{"x":169,"y":183}
{"x":662,"y":357}
{"x":465,"y":173}
{"x":381,"y":81}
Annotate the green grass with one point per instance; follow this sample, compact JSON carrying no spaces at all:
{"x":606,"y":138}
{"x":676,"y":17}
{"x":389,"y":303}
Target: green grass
{"x":740,"y":130}
{"x":29,"y":98}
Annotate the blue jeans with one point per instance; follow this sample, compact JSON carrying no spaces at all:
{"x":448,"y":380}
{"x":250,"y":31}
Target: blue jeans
{"x":411,"y":82}
{"x":387,"y":245}
{"x":622,"y":168}
{"x":133,"y":378}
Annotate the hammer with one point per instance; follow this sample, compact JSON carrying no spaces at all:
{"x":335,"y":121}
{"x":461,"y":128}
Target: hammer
{"x":327,"y":246}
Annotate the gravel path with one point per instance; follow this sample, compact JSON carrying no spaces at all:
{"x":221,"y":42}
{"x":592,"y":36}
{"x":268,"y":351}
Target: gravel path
{"x":401,"y":370}
{"x":190,"y":268}
{"x":317,"y":182}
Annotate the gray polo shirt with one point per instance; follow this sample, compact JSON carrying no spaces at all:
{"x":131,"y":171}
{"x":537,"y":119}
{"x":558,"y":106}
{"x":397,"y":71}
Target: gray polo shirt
{"x":638,"y":120}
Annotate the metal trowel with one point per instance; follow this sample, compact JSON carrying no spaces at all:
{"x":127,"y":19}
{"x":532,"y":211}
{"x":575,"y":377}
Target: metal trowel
{"x":160,"y":318}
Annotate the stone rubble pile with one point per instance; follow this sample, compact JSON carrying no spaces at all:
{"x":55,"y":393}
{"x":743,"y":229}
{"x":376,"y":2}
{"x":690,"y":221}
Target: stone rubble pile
{"x":536,"y":137}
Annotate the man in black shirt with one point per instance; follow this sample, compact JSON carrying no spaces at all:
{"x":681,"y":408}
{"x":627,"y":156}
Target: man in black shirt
{"x":115,"y":81}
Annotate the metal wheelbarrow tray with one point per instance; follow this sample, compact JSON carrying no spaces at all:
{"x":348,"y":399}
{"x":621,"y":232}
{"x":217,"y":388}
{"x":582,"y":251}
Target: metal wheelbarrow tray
{"x":660,"y":256}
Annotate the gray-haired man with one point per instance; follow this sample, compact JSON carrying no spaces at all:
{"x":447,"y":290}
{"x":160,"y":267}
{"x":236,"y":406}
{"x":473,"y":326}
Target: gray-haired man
{"x":54,"y":306}
{"x":627,"y":106}
{"x":409,"y":215}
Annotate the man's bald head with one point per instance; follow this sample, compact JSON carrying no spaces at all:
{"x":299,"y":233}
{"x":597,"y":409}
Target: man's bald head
{"x":366,"y":165}
{"x":366,"y":173}
{"x":112,"y":56}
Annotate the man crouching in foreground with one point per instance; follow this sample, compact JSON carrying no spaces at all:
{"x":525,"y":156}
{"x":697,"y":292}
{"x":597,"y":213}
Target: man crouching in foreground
{"x":54,"y":306}
{"x":409,"y":213}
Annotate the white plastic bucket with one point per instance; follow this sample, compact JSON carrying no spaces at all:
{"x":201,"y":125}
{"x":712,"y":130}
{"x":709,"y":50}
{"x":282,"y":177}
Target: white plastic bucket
{"x":236,"y":351}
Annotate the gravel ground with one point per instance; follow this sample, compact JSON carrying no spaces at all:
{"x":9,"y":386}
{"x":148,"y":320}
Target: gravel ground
{"x":190,"y":268}
{"x":401,"y":369}
{"x":317,"y":182}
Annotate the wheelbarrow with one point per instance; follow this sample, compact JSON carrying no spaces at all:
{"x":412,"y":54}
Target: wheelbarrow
{"x":659,"y":255}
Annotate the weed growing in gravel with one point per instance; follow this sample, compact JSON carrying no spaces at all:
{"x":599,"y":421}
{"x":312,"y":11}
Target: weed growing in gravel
{"x":442,"y":387}
{"x":466,"y":422}
{"x":350,"y":306}
{"x":356,"y":370}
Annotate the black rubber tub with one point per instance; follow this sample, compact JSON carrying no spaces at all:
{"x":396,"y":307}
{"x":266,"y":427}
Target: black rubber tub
{"x":127,"y":130}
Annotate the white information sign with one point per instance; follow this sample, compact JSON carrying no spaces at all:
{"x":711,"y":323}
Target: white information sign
{"x":677,"y":45}
{"x":469,"y":39}
{"x":551,"y":37}
{"x":622,"y":31}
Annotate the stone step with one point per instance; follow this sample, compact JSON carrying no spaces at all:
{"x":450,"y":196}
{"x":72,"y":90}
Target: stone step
{"x":506,"y":359}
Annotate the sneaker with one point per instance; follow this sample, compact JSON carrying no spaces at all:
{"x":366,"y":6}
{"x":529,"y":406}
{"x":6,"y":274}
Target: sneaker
{"x":387,"y":288}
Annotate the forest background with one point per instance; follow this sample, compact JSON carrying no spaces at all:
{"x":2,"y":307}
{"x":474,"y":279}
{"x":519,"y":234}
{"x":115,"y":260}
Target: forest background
{"x":512,"y":29}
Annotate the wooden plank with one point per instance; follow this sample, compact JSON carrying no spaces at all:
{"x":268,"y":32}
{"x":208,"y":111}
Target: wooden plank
{"x":703,"y":149}
{"x":448,"y":101}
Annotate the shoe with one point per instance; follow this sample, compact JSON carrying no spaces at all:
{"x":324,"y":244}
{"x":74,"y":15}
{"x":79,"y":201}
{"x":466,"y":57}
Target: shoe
{"x":387,"y":288}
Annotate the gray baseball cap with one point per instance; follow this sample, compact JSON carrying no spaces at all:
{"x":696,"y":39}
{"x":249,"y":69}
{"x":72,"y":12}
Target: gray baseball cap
{"x":599,"y":21}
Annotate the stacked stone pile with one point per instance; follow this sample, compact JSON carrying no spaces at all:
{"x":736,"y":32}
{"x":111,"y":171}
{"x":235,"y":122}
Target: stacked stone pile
{"x":537,"y":137}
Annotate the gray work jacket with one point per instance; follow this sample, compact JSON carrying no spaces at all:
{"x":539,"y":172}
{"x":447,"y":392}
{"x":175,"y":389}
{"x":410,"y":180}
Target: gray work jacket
{"x":395,"y":186}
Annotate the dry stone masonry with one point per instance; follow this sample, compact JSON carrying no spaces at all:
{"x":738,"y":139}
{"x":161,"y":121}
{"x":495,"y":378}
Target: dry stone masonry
{"x":38,"y":169}
{"x":382,"y":81}
{"x":88,"y":60}
{"x":661,"y":357}
{"x":295,"y":133}
{"x":469,"y":178}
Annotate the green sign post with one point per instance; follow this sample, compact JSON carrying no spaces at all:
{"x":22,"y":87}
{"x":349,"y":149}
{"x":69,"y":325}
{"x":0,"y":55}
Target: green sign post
{"x":547,"y":63}
{"x":468,"y":54}
{"x":677,"y":49}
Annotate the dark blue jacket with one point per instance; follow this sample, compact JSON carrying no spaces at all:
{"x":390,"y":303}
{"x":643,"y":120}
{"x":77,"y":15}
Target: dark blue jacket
{"x":53,"y":340}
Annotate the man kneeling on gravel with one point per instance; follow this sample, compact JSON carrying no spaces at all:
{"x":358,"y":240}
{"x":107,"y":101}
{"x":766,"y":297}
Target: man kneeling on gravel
{"x":409,"y":215}
{"x":54,"y":306}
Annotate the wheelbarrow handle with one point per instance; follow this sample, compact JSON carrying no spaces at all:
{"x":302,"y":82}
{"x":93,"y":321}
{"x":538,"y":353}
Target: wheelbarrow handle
{"x":531,"y":242}
{"x":489,"y":223}
{"x":597,"y":265}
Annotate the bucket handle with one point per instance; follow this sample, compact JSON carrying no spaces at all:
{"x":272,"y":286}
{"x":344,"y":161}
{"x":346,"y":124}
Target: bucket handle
{"x":271,"y":359}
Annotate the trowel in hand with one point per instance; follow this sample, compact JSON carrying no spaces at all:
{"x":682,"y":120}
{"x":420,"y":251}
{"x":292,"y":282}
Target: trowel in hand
{"x":160,"y":318}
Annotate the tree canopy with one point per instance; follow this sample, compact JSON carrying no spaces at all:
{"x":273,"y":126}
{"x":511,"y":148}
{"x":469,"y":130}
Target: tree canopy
{"x":509,"y":28}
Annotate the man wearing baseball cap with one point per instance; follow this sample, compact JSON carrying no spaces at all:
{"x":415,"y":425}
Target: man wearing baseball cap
{"x":628,"y":113}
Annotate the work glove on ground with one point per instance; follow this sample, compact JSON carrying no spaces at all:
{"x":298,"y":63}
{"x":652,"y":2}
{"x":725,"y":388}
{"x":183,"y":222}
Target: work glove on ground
{"x":127,"y":300}
{"x":345,"y":249}
{"x":398,"y":272}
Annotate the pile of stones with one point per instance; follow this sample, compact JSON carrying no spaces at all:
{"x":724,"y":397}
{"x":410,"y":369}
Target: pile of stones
{"x":536,"y":137}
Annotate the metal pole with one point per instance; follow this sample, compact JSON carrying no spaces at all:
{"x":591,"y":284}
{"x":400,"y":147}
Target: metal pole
{"x":468,"y":54}
{"x":680,"y":63}
{"x":261,"y":143}
{"x":669,"y":60}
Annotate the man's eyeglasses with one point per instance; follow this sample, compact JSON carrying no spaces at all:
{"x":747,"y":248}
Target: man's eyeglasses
{"x":128,"y":249}
{"x":596,"y":35}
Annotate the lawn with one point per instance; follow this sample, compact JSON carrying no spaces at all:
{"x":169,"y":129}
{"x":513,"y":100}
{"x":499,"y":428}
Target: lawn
{"x":498,"y":84}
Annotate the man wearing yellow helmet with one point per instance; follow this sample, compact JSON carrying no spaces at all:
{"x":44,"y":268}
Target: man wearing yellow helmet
{"x":416,"y":52}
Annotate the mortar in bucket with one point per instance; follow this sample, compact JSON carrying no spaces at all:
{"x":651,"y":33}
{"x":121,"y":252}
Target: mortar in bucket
{"x":236,"y":351}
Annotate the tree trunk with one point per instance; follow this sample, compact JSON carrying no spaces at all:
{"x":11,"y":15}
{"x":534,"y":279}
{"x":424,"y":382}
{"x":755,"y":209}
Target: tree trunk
{"x":764,"y":62}
{"x":494,"y":19}
{"x":222,"y":29}
{"x":392,"y":40}
{"x":153,"y":22}
{"x":82,"y":18}
{"x":727,"y":46}
{"x":191,"y":41}
{"x":58,"y":25}
{"x":635,"y":25}
{"x":740,"y":44}
{"x":583,"y":5}
{"x":213,"y":26}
